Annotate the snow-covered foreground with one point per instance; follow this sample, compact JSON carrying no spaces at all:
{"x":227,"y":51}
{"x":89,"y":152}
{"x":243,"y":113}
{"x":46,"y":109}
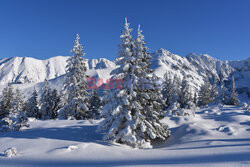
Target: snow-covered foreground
{"x":214,"y":137}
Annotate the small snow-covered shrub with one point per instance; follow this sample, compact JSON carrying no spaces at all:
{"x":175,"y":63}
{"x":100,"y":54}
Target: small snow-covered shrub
{"x":183,"y":112}
{"x":175,"y":110}
{"x":174,"y":106}
{"x":191,"y":105}
{"x":14,"y":121}
{"x":220,"y":105}
{"x":246,"y":107}
{"x":10,"y":152}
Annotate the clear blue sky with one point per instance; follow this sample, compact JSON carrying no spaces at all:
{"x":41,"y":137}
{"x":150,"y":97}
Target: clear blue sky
{"x":47,"y":28}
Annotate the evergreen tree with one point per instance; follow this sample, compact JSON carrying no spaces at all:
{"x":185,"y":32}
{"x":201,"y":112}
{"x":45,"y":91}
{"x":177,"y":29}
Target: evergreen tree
{"x":125,"y":48}
{"x":16,"y":117}
{"x":167,"y":89}
{"x":25,"y":107}
{"x":148,"y":96}
{"x":95,"y":104}
{"x":75,"y":86}
{"x":205,"y":94}
{"x":33,"y":106}
{"x":185,"y":94}
{"x":50,"y":102}
{"x":214,"y":93}
{"x":223,"y":94}
{"x":6,"y":101}
{"x":45,"y":100}
{"x":233,"y":95}
{"x":103,"y":99}
{"x":132,"y":113}
{"x":18,"y":104}
{"x":117,"y":112}
{"x":176,"y":95}
{"x":55,"y":104}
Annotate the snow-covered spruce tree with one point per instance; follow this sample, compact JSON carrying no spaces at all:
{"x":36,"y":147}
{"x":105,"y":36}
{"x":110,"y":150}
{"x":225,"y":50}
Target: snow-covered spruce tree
{"x":185,"y":94}
{"x":45,"y":110}
{"x":223,"y":94}
{"x":103,"y":99}
{"x":75,"y":86}
{"x":214,"y":93}
{"x":167,"y":89}
{"x":148,"y":96}
{"x":94,"y":104}
{"x":127,"y":120}
{"x":118,"y":110}
{"x":16,"y":117}
{"x":18,"y":104}
{"x":33,"y":106}
{"x":205,"y":94}
{"x":233,"y":95}
{"x":55,"y":104}
{"x":6,"y":101}
{"x":176,"y":95}
{"x":50,"y":102}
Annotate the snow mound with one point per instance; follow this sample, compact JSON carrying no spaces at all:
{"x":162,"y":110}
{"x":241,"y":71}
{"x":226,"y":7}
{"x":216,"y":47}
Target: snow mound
{"x":227,"y":129}
{"x":182,"y":112}
{"x":72,"y":148}
{"x":32,"y":119}
{"x":10,"y":152}
{"x":246,"y":107}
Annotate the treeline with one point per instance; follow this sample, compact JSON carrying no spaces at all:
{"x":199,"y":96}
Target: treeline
{"x":15,"y":110}
{"x":177,"y":93}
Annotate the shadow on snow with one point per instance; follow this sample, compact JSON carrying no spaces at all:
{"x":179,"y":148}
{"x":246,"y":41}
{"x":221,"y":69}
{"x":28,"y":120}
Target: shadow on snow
{"x":215,"y":158}
{"x":77,"y":133}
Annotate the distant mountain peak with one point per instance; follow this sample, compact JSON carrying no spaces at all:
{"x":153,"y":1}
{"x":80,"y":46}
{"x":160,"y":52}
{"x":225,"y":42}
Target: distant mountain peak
{"x":31,"y":70}
{"x":197,"y":69}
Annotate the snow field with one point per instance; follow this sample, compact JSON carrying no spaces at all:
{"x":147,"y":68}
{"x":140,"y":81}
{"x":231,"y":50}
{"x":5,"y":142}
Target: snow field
{"x":206,"y":139}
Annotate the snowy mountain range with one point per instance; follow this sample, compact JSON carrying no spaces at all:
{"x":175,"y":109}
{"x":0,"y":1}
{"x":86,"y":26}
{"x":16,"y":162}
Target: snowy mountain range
{"x":29,"y":70}
{"x":25,"y":72}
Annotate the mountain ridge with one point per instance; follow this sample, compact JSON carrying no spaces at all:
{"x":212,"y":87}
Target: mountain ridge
{"x":197,"y":69}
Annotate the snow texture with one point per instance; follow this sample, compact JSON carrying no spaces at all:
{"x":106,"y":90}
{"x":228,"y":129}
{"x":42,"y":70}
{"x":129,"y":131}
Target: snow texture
{"x":216,"y":136}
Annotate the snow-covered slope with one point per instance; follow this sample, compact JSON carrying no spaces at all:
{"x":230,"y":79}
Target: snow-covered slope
{"x":164,"y":61}
{"x":30,"y":70}
{"x":198,"y":68}
{"x":214,"y":137}
{"x":208,"y":66}
{"x":242,"y":74}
